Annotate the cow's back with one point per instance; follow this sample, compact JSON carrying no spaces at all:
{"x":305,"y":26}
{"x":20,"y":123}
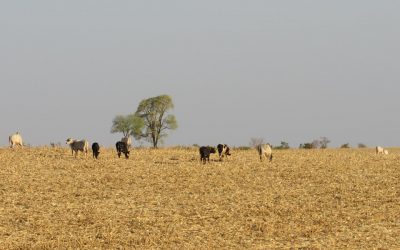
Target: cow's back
{"x":82,"y":145}
{"x":95,"y":149}
{"x":379,"y":150}
{"x":265,"y":150}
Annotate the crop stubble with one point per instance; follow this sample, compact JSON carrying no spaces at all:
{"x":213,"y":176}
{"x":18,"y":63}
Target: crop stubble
{"x":166,"y":199}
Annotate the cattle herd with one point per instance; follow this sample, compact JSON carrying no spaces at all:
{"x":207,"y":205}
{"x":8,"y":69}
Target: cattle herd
{"x":123,"y":146}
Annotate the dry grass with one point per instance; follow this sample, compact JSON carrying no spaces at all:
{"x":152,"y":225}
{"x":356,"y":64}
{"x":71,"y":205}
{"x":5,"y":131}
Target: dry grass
{"x":167,"y":199}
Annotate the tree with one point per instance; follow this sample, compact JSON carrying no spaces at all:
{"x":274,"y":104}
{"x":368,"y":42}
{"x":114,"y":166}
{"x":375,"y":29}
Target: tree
{"x":127,"y":125}
{"x":324,"y":142}
{"x":284,"y":145}
{"x":153,"y":112}
{"x":254,"y":142}
{"x":315,"y":143}
{"x":307,"y":145}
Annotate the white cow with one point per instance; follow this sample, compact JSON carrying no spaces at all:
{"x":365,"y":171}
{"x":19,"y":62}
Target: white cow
{"x":15,"y":139}
{"x":381,"y":150}
{"x":82,"y":145}
{"x":265,"y":150}
{"x":127,"y":139}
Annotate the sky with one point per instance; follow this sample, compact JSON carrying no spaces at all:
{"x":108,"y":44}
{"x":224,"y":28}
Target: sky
{"x":290,"y":71}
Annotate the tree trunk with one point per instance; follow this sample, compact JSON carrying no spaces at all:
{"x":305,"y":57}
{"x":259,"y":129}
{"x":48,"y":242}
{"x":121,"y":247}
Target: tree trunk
{"x":154,"y":141}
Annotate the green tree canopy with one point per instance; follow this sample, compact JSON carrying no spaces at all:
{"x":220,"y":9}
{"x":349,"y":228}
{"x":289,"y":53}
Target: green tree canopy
{"x":153,"y":111}
{"x":127,"y":125}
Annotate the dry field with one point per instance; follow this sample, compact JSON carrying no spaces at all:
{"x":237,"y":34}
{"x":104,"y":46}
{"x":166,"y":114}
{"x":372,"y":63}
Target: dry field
{"x":315,"y":199}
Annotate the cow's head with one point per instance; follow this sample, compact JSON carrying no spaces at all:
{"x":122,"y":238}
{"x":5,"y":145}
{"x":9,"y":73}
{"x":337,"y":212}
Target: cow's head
{"x":212,"y":150}
{"x":69,"y":141}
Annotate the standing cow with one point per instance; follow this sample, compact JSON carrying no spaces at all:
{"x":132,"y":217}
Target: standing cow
{"x":381,"y":150}
{"x":122,"y":147}
{"x":96,"y":150}
{"x":82,"y":145}
{"x":265,"y":150}
{"x":15,"y":139}
{"x":205,"y":153}
{"x":223,"y":150}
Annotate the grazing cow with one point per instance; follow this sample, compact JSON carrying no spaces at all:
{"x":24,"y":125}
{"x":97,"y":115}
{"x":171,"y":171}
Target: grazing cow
{"x":122,"y":147}
{"x":127,"y":139}
{"x":15,"y":139}
{"x":82,"y":145}
{"x":265,"y":150}
{"x":379,"y":150}
{"x":223,"y":150}
{"x":205,"y":153}
{"x":96,"y":150}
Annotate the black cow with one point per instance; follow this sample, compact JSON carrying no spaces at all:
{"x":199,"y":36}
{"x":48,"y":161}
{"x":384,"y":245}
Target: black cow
{"x":223,"y":150}
{"x":205,"y":153}
{"x":96,"y":150}
{"x":122,"y":147}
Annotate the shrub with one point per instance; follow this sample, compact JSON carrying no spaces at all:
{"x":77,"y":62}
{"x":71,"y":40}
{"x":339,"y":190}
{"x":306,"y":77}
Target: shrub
{"x":346,"y":145}
{"x":361,"y":145}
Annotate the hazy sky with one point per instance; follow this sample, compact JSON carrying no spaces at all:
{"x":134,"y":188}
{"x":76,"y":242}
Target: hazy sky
{"x":282,"y":70}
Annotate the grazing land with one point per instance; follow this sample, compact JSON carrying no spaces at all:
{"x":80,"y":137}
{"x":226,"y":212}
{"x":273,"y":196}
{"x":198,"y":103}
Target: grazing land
{"x":334,"y":198}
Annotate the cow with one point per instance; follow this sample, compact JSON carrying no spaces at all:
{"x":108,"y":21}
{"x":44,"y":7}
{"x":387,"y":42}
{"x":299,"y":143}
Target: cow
{"x":379,"y":150}
{"x":96,"y":150}
{"x":265,"y":150}
{"x":82,"y":145}
{"x":122,"y":147}
{"x":205,"y":152}
{"x":15,"y":139}
{"x":223,"y":150}
{"x":127,"y":139}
